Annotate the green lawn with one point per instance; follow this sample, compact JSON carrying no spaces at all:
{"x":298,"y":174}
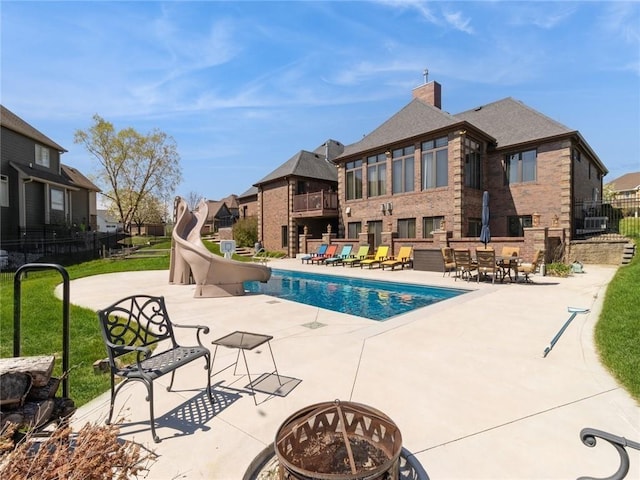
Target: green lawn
{"x":617,"y":332}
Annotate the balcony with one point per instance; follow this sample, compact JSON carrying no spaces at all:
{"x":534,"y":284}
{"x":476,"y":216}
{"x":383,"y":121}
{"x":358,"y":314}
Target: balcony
{"x":316,"y":204}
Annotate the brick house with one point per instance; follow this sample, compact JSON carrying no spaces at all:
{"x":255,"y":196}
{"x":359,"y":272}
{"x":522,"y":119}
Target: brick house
{"x":300,"y":195}
{"x":37,"y":192}
{"x":419,"y":177}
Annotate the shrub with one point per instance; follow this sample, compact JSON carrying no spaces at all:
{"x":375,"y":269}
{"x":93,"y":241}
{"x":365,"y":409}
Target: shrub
{"x":245,"y":232}
{"x":558,"y":269}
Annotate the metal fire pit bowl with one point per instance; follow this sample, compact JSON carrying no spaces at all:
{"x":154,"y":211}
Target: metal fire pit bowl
{"x":338,"y":441}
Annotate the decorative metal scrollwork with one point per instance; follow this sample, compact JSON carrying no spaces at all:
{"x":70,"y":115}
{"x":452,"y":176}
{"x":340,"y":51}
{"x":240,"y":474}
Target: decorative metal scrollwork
{"x":588,"y":437}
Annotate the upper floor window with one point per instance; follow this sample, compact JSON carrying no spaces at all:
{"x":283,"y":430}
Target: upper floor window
{"x":472,"y":163}
{"x":403,"y":171}
{"x":435,"y":163}
{"x":407,"y":228}
{"x":353,"y":180}
{"x":4,"y":191}
{"x":42,"y":156}
{"x":377,"y":175}
{"x":521,"y":167}
{"x":430,"y":224}
{"x":577,"y":156}
{"x":57,"y":199}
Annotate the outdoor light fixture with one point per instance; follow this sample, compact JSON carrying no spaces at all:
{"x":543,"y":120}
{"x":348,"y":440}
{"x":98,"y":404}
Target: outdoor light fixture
{"x":389,"y":207}
{"x":383,"y":208}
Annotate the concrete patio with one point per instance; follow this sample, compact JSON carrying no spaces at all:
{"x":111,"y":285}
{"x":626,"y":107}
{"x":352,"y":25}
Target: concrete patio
{"x":465,"y":379}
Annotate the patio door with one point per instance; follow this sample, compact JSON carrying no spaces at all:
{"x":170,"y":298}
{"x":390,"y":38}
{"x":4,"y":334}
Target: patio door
{"x":375,"y":228}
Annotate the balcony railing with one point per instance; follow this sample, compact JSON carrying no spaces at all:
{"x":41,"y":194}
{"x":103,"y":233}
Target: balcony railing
{"x":316,"y":203}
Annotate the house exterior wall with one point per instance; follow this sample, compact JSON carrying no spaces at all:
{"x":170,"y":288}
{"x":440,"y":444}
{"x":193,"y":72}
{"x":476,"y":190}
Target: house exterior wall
{"x":275,"y":204}
{"x":248,"y":206}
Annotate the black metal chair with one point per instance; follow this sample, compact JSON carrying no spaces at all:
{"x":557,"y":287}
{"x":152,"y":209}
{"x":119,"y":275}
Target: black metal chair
{"x":132,"y":329}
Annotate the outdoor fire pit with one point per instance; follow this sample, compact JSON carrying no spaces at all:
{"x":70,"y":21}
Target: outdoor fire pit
{"x":338,"y":440}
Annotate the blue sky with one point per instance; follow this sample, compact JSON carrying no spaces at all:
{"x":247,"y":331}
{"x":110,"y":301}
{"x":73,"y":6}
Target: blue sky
{"x":243,"y":86}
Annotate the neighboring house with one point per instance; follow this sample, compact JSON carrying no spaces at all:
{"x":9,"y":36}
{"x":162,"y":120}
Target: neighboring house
{"x":107,"y":223}
{"x":626,"y":187}
{"x":232,"y":204}
{"x":302,"y":192}
{"x":248,"y":203}
{"x":219,"y":216}
{"x":425,"y":169}
{"x":38,"y":194}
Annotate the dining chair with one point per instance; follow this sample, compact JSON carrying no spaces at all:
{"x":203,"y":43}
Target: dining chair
{"x":448,"y":263}
{"x":486,"y":260}
{"x":464,"y":263}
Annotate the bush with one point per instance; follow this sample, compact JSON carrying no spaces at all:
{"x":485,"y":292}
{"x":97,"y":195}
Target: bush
{"x":245,"y":232}
{"x":558,"y":270}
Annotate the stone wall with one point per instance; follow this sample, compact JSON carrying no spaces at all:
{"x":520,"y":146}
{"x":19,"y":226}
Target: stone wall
{"x":601,"y":252}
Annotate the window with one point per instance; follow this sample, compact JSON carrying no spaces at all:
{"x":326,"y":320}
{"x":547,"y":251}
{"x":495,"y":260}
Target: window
{"x":577,"y":156}
{"x":407,"y":228}
{"x":516,"y":225}
{"x":429,"y":224}
{"x":42,"y":156}
{"x":354,"y":229}
{"x":353,"y":180}
{"x":375,"y":228}
{"x":284,"y":233}
{"x":435,"y":163}
{"x":474,"y":226}
{"x":521,"y":167}
{"x":403,"y":160}
{"x":57,"y":199}
{"x":4,"y":191}
{"x":377,"y":175}
{"x":472,"y":164}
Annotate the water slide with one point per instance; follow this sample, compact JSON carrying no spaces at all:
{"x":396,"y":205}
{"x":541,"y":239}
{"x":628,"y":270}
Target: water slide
{"x":191,"y":262}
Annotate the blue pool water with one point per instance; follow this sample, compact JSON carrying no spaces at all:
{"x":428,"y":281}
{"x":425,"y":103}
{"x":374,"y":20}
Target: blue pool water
{"x":373,"y":299}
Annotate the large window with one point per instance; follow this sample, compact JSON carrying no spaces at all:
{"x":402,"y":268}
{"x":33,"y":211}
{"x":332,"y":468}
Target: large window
{"x":407,"y":228}
{"x":284,"y":233}
{"x":516,"y":225}
{"x":377,"y":175}
{"x":429,"y":224}
{"x":435,"y":163}
{"x":354,"y":229}
{"x":42,"y":156}
{"x":57,"y":199}
{"x":472,"y":164}
{"x":403,"y":172}
{"x":4,"y":191}
{"x":521,"y":167}
{"x":474,"y":226}
{"x":353,"y":180}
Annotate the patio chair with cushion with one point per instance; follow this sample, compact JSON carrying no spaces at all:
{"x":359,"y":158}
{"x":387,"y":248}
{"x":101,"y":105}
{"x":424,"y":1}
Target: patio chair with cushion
{"x":528,"y":269}
{"x":344,"y":253}
{"x":363,"y":252}
{"x":382,"y":253}
{"x":508,"y":251}
{"x":133,"y":329}
{"x":448,"y":263}
{"x":464,"y":263}
{"x":486,"y":264}
{"x":329,"y":252}
{"x":319,"y":252}
{"x":401,"y":260}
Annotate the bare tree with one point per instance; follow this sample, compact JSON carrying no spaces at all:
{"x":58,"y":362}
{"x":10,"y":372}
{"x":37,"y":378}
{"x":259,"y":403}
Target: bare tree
{"x":132,"y":165}
{"x":193,"y":198}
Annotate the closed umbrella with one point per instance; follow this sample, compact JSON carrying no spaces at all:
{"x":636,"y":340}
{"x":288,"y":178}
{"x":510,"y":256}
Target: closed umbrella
{"x":485,"y":234}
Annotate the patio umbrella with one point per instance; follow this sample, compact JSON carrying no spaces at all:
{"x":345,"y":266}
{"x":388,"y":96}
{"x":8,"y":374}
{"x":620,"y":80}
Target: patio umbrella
{"x":485,"y":234}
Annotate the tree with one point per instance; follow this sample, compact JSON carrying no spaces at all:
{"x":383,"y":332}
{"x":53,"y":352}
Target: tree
{"x":133,"y":166}
{"x":193,"y":198}
{"x":150,"y":210}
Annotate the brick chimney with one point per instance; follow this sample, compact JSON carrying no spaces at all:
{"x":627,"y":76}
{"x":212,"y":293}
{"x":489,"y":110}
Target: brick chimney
{"x":430,"y":93}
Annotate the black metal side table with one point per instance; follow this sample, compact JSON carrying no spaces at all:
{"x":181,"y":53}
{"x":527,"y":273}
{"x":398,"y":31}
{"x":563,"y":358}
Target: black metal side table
{"x":244,"y":341}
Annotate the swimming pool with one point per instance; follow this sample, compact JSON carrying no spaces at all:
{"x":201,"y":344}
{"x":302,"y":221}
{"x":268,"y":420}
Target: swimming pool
{"x":372,"y":299}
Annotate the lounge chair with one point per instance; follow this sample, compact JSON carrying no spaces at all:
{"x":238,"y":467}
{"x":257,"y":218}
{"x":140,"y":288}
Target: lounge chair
{"x":448,"y":263}
{"x":486,"y":263}
{"x":528,"y":269}
{"x":320,"y":251}
{"x":401,"y":260}
{"x":344,"y":253}
{"x":382,"y":253}
{"x":464,"y":264}
{"x":329,"y":252}
{"x":362,"y":253}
